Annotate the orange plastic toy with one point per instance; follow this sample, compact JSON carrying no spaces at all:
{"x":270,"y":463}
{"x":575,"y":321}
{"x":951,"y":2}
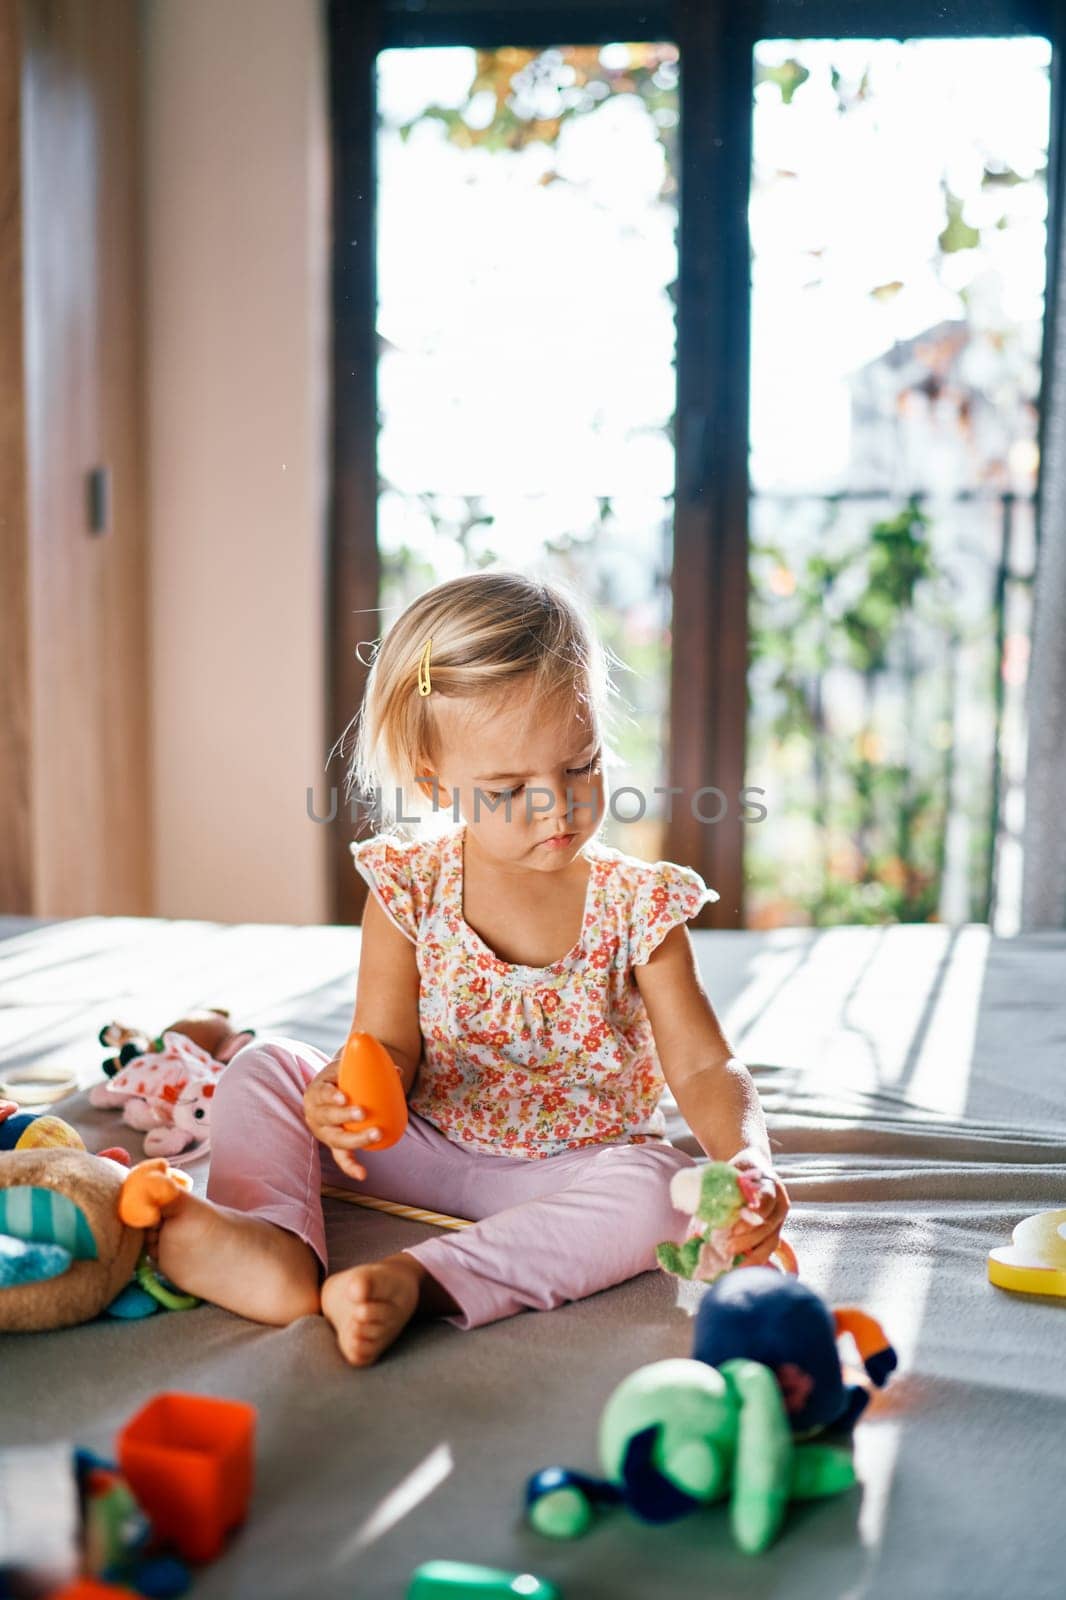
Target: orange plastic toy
{"x":188,"y":1460}
{"x":368,"y":1076}
{"x":148,"y":1187}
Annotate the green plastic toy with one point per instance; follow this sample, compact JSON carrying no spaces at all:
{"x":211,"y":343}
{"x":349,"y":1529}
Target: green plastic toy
{"x":679,"y":1435}
{"x":461,"y":1580}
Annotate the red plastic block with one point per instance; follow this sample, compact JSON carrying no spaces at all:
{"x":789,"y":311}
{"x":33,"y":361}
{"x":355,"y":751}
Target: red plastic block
{"x":188,"y":1460}
{"x":89,"y":1589}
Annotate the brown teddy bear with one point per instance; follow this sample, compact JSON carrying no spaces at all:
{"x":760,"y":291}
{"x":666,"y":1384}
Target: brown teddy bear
{"x":72,"y":1228}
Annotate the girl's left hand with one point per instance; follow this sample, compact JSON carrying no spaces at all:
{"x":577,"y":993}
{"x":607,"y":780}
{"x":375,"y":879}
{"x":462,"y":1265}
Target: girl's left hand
{"x":757,"y":1241}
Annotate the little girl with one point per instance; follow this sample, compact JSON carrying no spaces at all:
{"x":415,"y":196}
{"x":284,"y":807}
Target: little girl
{"x":533,"y":986}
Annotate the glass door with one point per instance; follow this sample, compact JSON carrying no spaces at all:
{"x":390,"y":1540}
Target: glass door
{"x":526,"y":215}
{"x":898,"y":227}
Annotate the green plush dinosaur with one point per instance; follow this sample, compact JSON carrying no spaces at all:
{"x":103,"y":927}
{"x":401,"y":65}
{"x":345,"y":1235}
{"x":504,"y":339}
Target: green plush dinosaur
{"x":678,"y":1435}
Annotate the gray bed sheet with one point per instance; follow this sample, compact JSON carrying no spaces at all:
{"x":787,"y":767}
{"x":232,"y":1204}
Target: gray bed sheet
{"x":913,"y":1081}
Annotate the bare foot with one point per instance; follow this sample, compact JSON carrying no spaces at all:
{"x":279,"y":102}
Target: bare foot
{"x":369,"y":1306}
{"x":240,"y":1262}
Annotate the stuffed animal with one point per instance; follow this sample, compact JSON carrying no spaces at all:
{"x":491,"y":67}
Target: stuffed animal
{"x":674,"y":1438}
{"x":164,"y":1085}
{"x":209,"y":1028}
{"x":166,"y":1095}
{"x":129,"y":1042}
{"x":767,"y":1316}
{"x":678,"y":1435}
{"x":72,"y":1235}
{"x":716,"y":1195}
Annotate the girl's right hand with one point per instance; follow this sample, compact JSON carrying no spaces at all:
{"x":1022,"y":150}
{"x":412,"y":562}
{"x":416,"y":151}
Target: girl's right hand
{"x":326,"y":1110}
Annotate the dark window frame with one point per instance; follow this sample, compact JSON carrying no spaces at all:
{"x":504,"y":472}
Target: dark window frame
{"x":708,"y":686}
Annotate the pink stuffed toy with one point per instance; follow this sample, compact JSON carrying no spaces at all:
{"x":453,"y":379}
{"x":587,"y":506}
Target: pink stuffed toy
{"x":166,"y":1094}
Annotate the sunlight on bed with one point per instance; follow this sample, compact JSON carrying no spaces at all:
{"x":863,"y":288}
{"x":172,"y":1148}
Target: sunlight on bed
{"x":858,"y":1011}
{"x":903,"y":1282}
{"x":941,"y":1075}
{"x":400,"y":1502}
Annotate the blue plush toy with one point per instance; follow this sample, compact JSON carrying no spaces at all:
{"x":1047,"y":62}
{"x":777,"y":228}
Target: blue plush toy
{"x":773,"y":1318}
{"x":735,"y":1421}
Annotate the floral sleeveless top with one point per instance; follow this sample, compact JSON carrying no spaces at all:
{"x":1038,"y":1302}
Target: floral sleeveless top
{"x":533,"y":1061}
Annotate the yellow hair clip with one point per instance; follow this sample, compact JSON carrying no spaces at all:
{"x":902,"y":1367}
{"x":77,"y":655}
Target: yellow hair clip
{"x":424,"y":685}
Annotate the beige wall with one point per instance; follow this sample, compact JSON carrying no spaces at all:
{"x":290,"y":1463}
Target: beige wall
{"x":235,"y":173}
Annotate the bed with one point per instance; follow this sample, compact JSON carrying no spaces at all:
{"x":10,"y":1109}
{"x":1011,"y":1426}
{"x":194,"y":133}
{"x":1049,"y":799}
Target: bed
{"x":913,"y":1081}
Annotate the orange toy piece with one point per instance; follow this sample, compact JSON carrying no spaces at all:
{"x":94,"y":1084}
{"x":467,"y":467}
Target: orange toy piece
{"x":150,"y":1186}
{"x":188,"y":1460}
{"x":369,"y":1078}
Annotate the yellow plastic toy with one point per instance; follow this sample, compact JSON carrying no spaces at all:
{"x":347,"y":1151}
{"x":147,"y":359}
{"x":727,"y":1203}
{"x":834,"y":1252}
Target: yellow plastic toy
{"x":1035,"y":1260}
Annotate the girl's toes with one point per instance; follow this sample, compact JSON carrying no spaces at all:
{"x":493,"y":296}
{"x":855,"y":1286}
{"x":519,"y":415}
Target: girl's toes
{"x":365,"y":1349}
{"x":358,"y":1288}
{"x":376,"y":1283}
{"x":353,"y":1344}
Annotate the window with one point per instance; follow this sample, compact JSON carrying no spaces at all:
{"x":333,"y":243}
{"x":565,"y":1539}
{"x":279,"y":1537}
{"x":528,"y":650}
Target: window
{"x":526,"y":263}
{"x":741,"y":335}
{"x":898,"y":222}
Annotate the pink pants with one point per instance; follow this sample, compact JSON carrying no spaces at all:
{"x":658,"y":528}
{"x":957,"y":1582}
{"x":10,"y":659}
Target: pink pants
{"x":546,"y":1230}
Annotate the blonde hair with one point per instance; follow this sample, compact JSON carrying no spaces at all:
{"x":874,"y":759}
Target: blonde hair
{"x":490,"y":630}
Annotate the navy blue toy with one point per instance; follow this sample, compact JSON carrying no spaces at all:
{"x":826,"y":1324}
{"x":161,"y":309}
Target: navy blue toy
{"x":676,"y":1437}
{"x":773,"y":1318}
{"x":735,"y":1421}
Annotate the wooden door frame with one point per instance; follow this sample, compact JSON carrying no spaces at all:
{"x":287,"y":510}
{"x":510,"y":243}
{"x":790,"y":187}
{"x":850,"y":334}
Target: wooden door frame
{"x":353,"y":563}
{"x":17,"y":875}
